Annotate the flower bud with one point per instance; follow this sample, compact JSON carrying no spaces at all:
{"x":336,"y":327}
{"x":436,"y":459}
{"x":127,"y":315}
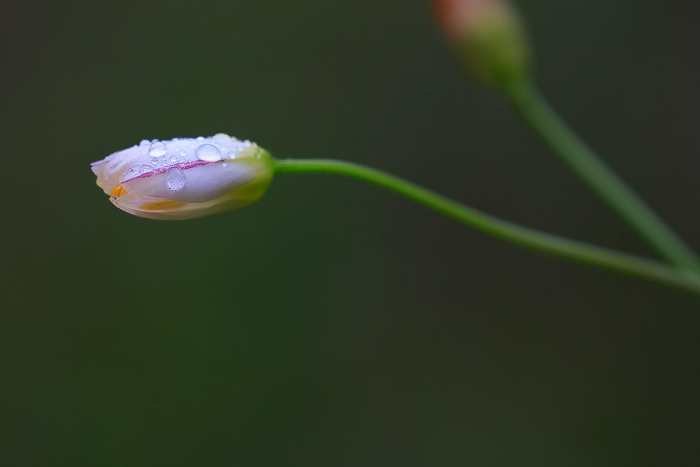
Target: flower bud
{"x":184,"y":178}
{"x":489,"y":38}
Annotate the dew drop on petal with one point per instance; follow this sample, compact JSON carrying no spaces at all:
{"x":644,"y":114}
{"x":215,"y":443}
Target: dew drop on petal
{"x":173,"y":158}
{"x":157,"y":148}
{"x":232,"y":154}
{"x":183,"y":153}
{"x":128,"y":174}
{"x":175,"y":179}
{"x":154,"y":161}
{"x":135,"y":171}
{"x":208,"y":152}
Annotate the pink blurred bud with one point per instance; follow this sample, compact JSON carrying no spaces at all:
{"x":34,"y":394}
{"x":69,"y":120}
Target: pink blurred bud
{"x":489,"y":36}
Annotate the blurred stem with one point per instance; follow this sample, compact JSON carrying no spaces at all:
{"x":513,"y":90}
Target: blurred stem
{"x":601,"y":179}
{"x":550,"y":244}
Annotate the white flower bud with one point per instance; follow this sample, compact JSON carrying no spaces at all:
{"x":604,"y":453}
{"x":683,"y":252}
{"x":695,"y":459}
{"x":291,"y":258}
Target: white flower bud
{"x":184,"y":178}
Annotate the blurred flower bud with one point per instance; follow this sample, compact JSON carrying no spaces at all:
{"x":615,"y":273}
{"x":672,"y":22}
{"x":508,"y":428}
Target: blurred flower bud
{"x":490,"y":39}
{"x":185,"y":177}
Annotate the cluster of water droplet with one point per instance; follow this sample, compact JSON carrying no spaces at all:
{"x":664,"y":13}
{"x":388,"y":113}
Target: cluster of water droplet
{"x":172,"y":156}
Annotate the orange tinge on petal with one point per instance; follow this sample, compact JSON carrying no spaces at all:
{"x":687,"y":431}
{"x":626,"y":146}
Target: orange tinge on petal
{"x":118,"y":191}
{"x":162,"y":205}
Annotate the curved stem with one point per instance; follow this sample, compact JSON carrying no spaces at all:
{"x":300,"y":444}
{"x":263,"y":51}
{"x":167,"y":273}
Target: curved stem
{"x":601,"y":179}
{"x":523,"y":236}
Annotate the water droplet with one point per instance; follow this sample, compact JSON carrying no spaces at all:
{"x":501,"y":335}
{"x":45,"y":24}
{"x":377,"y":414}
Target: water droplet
{"x":200,"y":138}
{"x":164,"y":161}
{"x":224,"y":164}
{"x":154,"y":161}
{"x":134,"y":171}
{"x":208,"y":152}
{"x":221,"y":137}
{"x":173,"y":158}
{"x":232,"y":154}
{"x":183,"y":153}
{"x":157,"y":148}
{"x":144,"y":142}
{"x":175,"y":179}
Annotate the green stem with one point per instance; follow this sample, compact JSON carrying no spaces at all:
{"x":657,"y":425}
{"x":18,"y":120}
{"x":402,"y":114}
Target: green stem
{"x":523,"y":236}
{"x":602,"y":179}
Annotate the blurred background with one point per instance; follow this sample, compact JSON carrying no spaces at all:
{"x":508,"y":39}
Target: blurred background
{"x":334,"y":323}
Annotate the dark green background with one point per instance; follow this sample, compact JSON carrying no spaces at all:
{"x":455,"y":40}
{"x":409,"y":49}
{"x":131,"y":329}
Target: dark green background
{"x":334,"y":323}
